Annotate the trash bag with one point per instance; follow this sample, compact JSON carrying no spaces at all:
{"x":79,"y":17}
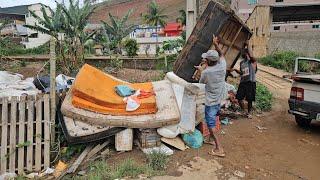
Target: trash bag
{"x":42,"y":83}
{"x":193,"y":140}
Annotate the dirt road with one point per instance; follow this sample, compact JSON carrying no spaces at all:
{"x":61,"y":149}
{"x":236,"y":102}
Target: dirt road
{"x":282,"y":151}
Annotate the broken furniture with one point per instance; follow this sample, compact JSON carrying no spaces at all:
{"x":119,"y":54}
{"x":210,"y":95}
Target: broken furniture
{"x":219,"y":21}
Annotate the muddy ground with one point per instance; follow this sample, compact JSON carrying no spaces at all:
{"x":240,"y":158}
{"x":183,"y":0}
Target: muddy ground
{"x":282,"y":151}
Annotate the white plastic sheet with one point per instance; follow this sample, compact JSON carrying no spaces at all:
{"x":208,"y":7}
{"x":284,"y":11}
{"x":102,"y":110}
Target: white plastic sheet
{"x":13,"y":85}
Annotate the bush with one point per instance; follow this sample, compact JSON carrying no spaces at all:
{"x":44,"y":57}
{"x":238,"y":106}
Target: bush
{"x":131,"y":47}
{"x":9,"y":48}
{"x":263,"y":98}
{"x":281,"y":60}
{"x":161,"y":65}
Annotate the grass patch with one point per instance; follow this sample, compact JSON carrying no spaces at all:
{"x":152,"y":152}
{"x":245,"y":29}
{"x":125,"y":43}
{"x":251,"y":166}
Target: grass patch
{"x":281,"y":60}
{"x":263,"y":98}
{"x":157,"y":161}
{"x":100,"y":170}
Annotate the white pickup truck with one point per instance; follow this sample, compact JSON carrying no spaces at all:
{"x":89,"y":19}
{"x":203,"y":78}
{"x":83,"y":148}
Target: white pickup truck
{"x":304,"y":99}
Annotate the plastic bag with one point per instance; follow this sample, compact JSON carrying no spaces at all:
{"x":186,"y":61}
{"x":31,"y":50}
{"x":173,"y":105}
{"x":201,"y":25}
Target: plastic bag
{"x":193,"y":140}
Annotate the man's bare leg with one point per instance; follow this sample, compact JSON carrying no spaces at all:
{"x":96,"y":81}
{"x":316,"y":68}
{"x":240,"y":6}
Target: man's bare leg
{"x":217,"y":147}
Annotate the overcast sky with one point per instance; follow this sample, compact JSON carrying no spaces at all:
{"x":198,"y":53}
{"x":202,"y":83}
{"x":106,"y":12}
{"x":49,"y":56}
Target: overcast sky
{"x":8,"y":3}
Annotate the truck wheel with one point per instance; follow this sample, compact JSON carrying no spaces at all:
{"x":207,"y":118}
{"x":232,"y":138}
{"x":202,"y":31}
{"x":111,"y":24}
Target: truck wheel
{"x":303,"y":122}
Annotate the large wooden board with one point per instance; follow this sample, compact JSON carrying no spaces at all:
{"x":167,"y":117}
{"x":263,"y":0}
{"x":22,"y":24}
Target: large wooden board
{"x":168,"y":111}
{"x":217,"y":20}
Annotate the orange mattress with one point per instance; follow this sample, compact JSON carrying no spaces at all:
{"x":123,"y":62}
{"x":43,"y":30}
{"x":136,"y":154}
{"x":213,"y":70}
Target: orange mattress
{"x":95,"y":91}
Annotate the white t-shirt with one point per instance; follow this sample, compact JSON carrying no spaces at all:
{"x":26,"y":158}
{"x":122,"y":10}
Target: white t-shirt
{"x":214,"y":79}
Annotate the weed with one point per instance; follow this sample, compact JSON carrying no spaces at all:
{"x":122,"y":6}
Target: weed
{"x":281,"y":60}
{"x":157,"y":161}
{"x":99,"y":170}
{"x":263,"y":98}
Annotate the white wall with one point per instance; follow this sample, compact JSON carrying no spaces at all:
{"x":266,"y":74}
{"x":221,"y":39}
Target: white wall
{"x":42,"y":38}
{"x":144,"y":42}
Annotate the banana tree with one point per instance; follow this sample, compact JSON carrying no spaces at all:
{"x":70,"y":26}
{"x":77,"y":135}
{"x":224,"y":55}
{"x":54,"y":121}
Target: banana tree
{"x":118,"y":29}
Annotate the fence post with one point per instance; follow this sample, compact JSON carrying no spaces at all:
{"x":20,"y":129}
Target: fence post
{"x":52,"y":88}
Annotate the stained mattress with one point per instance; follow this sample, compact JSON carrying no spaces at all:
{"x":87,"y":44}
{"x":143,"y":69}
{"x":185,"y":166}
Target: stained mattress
{"x":167,"y":111}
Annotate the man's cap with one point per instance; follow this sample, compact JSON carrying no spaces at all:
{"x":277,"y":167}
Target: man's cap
{"x":211,"y":55}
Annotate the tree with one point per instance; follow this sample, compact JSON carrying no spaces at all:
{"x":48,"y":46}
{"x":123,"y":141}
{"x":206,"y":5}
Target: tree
{"x":182,"y":18}
{"x":70,"y":22}
{"x":155,"y":17}
{"x":118,"y":29}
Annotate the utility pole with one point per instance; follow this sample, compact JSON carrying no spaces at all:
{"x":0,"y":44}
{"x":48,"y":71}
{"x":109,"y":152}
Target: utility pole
{"x":52,"y":88}
{"x":191,"y":16}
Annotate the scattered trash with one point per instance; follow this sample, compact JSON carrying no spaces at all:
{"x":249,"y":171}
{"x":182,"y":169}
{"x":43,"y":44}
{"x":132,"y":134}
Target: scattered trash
{"x":222,"y":132}
{"x":31,"y":175}
{"x":239,"y":174}
{"x":260,"y":128}
{"x":176,"y":142}
{"x":5,"y":176}
{"x":96,"y":149}
{"x":48,"y":171}
{"x":60,"y":167}
{"x":148,"y":138}
{"x":225,"y":121}
{"x":193,"y":139}
{"x":246,"y":167}
{"x":161,"y":149}
{"x":82,"y":173}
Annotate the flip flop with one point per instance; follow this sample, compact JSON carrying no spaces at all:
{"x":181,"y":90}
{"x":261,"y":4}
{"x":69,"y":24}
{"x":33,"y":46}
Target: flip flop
{"x":218,"y":154}
{"x":208,"y":142}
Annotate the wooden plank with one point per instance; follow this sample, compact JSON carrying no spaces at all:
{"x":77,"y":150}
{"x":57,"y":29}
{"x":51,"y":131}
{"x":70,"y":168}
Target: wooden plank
{"x":30,"y":106}
{"x":96,"y":149}
{"x":4,"y":129}
{"x":38,"y":134}
{"x":46,"y":152}
{"x":234,"y":39}
{"x":22,"y":113}
{"x":53,"y":86}
{"x":77,"y":163}
{"x":13,"y":120}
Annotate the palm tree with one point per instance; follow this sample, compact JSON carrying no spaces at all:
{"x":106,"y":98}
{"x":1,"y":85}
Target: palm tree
{"x":182,"y":18}
{"x":155,"y":17}
{"x":118,"y":29}
{"x":71,"y":22}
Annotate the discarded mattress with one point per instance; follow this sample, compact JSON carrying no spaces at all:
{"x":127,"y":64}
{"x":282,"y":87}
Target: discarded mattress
{"x":95,"y":91}
{"x":77,"y":132}
{"x":167,"y":114}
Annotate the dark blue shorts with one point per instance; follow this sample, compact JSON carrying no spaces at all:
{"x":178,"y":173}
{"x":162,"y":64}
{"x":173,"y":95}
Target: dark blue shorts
{"x":211,"y":115}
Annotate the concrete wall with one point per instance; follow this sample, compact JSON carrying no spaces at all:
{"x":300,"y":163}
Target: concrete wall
{"x":305,"y":43}
{"x":243,"y":9}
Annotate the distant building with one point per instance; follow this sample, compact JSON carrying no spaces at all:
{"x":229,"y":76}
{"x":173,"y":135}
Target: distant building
{"x":19,"y":16}
{"x":146,"y":36}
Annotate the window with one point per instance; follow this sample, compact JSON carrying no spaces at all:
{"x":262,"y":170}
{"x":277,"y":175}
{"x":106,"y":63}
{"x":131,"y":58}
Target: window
{"x":34,"y":35}
{"x":316,"y":26}
{"x":276,"y":28}
{"x":279,"y":0}
{"x":252,"y":2}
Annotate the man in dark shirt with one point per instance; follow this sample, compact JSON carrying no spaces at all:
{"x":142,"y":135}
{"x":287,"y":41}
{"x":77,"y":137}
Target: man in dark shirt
{"x":247,"y":86}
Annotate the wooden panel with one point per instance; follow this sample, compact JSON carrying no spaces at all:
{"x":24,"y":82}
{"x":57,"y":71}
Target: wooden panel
{"x":38,"y":134}
{"x":22,"y":113}
{"x":13,"y":120}
{"x":4,"y":129}
{"x":30,"y":133}
{"x":46,"y":130}
{"x":19,"y":127}
{"x":217,"y":20}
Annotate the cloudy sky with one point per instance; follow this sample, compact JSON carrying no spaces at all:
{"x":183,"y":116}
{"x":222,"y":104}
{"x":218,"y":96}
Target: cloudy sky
{"x":8,"y":3}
